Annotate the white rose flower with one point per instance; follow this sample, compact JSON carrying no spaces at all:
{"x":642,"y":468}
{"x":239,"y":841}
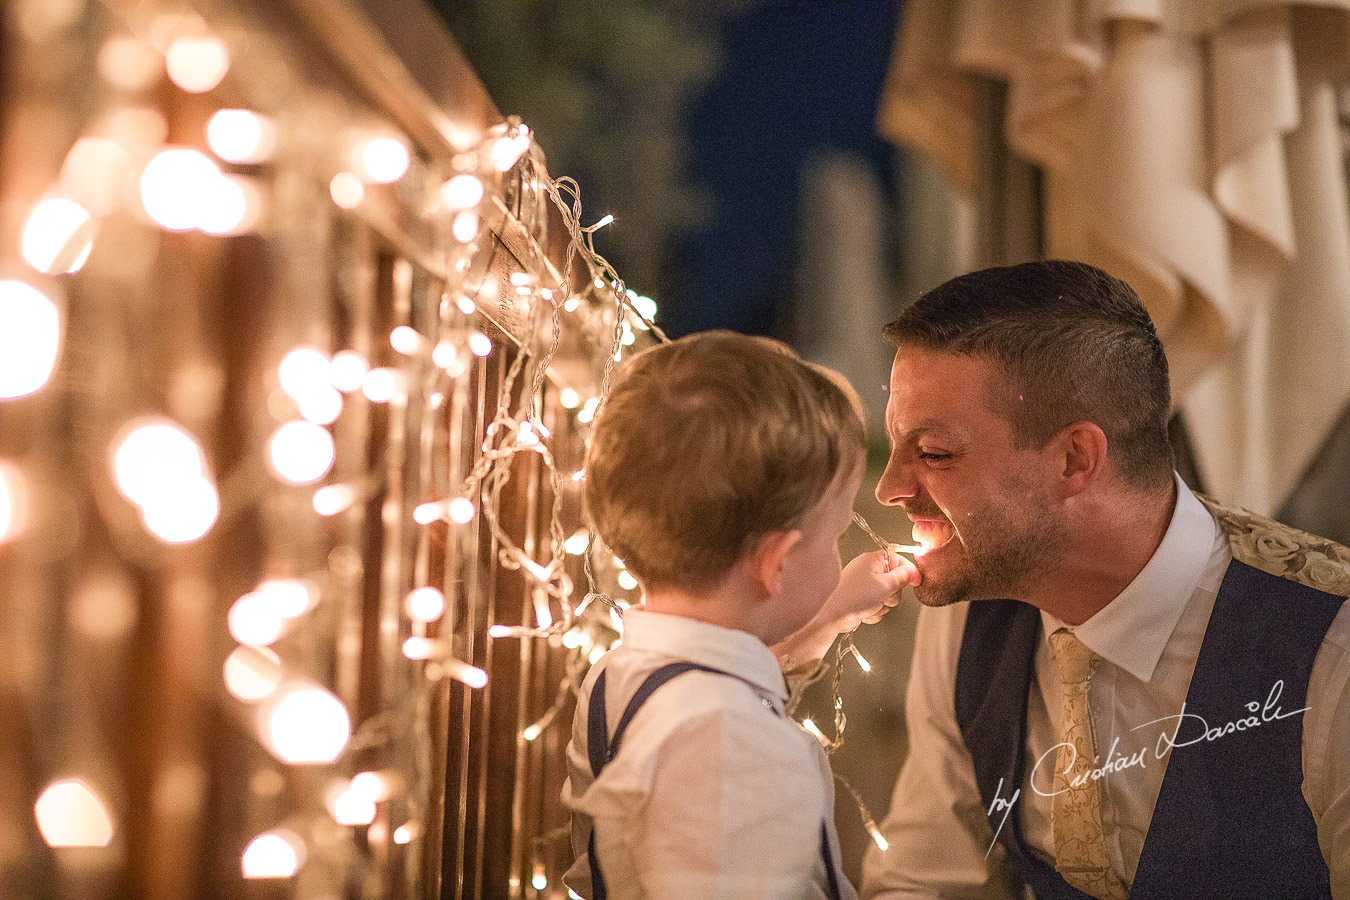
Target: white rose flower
{"x":1267,"y":548}
{"x":1324,"y":573}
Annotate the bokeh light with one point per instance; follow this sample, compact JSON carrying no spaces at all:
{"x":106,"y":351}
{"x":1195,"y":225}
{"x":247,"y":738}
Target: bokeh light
{"x":305,"y":724}
{"x":301,"y":452}
{"x":58,"y":236}
{"x":13,"y":501}
{"x":197,"y":64}
{"x":384,"y":159}
{"x":252,"y":673}
{"x":30,"y":338}
{"x":70,"y":814}
{"x":425,"y":604}
{"x":275,"y":854}
{"x":240,"y":136}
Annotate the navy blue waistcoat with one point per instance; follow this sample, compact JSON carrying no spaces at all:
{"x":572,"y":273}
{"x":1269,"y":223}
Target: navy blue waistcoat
{"x":1230,"y":821}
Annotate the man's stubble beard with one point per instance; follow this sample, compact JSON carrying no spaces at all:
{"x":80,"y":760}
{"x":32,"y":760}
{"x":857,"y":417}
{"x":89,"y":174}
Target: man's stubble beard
{"x":999,"y":558}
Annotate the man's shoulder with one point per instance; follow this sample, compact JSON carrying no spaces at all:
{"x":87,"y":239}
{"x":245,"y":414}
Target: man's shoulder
{"x":1271,"y":546}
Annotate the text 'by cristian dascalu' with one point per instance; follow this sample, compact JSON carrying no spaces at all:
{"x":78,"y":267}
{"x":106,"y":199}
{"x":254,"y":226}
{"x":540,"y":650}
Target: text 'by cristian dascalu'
{"x":1197,"y":731}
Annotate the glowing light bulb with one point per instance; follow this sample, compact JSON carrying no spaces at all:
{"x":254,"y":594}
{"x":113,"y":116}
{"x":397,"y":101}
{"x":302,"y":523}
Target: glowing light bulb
{"x":816,"y":732}
{"x":425,"y":604}
{"x":174,"y":186}
{"x":506,"y":151}
{"x":161,"y":468}
{"x":303,"y":370}
{"x":229,"y":205}
{"x":480,"y":344}
{"x":384,"y":160}
{"x":645,"y":306}
{"x":321,"y":406}
{"x":577,"y":542}
{"x":13,"y":502}
{"x":372,"y":785}
{"x":406,"y":833}
{"x":30,"y":338}
{"x":461,"y":671}
{"x":532,"y":731}
{"x":275,"y":854}
{"x":862,"y":662}
{"x":406,"y":340}
{"x":240,"y":136}
{"x":58,"y":236}
{"x":352,"y":806}
{"x":418,"y":648}
{"x":461,"y":510}
{"x":380,"y":385}
{"x":467,"y":306}
{"x":252,"y":673}
{"x":569,"y":398}
{"x":627,"y":581}
{"x":254,"y":621}
{"x":346,"y":190}
{"x":306,"y":724}
{"x":445,"y":355}
{"x":301,"y":452}
{"x":154,"y":451}
{"x":290,"y":597}
{"x":539,"y":878}
{"x":332,"y":499}
{"x":197,"y":64}
{"x":465,"y":226}
{"x":877,"y":837}
{"x":431,"y":511}
{"x":70,"y":814}
{"x":348,"y":370}
{"x":184,"y":515}
{"x":462,"y":192}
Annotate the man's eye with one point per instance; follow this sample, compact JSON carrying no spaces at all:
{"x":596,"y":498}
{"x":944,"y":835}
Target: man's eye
{"x":933,"y":456}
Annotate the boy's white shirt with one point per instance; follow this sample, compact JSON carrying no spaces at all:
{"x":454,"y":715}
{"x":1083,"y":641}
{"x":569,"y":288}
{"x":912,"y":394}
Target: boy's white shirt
{"x":716,"y":792}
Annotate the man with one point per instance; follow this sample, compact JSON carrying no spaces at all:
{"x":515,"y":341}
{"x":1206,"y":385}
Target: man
{"x":1147,"y":694}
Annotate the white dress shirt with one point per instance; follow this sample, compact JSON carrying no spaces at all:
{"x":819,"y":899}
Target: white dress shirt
{"x":715,"y":792}
{"x":940,"y":833}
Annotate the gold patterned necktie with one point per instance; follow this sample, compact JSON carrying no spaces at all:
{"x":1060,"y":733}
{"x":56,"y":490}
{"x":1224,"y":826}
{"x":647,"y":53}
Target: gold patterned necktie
{"x":1076,"y":816}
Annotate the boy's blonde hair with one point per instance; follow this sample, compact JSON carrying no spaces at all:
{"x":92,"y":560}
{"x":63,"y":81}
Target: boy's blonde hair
{"x":709,"y":442}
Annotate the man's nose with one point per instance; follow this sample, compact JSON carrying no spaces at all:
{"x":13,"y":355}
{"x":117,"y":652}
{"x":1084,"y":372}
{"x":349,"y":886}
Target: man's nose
{"x":896,"y":483}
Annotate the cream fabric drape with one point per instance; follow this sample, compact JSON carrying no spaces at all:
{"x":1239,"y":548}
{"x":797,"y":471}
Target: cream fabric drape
{"x":1192,"y":148}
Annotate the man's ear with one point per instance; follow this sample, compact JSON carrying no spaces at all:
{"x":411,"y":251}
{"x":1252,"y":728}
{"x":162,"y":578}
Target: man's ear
{"x":769,"y":558}
{"x":1080,"y":456}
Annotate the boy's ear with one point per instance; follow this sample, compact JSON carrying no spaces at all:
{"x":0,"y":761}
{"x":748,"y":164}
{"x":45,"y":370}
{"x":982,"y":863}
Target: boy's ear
{"x":770,"y":558}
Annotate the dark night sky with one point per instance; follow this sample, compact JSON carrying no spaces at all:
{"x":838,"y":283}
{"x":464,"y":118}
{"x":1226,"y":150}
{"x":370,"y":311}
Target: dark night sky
{"x":800,"y":78}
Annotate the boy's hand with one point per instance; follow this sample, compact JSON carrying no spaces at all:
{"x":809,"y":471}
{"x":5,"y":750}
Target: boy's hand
{"x":868,"y":587}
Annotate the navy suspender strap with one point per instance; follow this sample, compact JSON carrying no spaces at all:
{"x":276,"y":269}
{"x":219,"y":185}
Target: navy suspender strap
{"x":601,"y":748}
{"x":831,"y":878}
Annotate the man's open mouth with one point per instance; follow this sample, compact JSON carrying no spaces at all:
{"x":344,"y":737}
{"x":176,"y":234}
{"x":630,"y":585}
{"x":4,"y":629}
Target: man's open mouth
{"x":932,"y":533}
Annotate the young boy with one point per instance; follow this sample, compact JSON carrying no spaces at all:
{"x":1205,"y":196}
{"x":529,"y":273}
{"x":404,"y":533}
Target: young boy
{"x":722,"y":470}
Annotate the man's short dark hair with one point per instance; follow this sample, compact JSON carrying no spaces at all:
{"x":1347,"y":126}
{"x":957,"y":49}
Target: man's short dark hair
{"x":1072,"y":342}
